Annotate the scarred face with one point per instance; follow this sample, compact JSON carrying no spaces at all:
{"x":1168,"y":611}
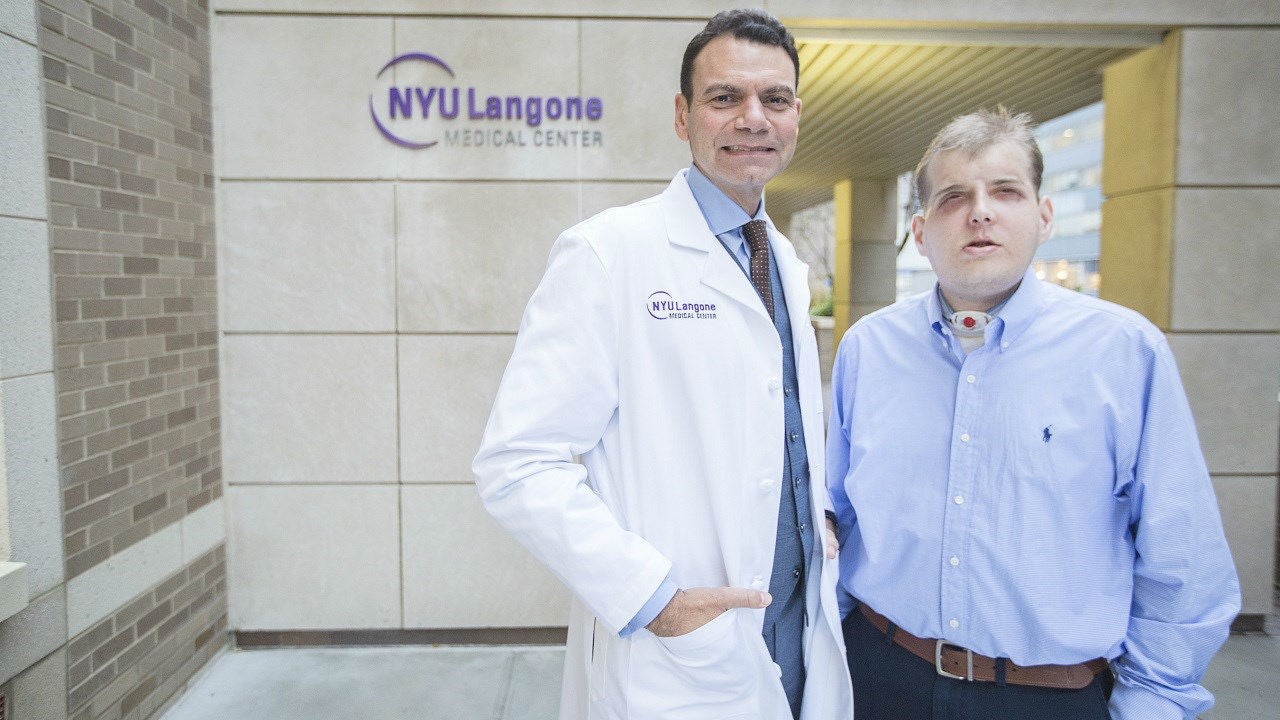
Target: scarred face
{"x":742,"y":122}
{"x":981,"y":224}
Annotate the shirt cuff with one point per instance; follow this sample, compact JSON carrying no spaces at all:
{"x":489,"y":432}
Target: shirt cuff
{"x":1132,"y":702}
{"x":650,"y":610}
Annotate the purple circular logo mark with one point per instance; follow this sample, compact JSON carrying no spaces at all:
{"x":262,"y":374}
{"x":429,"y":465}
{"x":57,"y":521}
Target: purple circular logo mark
{"x":416,"y":56}
{"x":659,"y":304}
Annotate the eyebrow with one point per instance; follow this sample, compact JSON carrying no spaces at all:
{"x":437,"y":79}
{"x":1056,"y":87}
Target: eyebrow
{"x":719,"y":88}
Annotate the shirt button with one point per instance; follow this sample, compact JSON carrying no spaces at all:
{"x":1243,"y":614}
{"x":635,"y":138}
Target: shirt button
{"x":801,"y":528}
{"x":796,"y":482}
{"x":794,"y":437}
{"x":954,"y":561}
{"x":954,"y":624}
{"x":795,"y":573}
{"x":959,"y":499}
{"x":971,"y":378}
{"x":1004,"y":344}
{"x":787,"y":392}
{"x":964,"y":437}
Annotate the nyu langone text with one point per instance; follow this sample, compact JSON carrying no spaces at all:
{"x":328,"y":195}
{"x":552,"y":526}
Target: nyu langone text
{"x":447,"y":104}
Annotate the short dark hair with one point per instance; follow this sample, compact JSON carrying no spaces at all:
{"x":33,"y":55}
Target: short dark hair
{"x":755,"y":25}
{"x":976,"y":132}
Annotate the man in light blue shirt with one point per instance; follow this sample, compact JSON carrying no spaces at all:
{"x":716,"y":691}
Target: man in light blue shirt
{"x":1028,"y":527}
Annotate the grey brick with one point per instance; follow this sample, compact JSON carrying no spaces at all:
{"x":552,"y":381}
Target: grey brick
{"x":97,"y":219}
{"x":91,"y":129}
{"x":59,"y":168}
{"x":154,"y":9}
{"x":138,"y":184}
{"x":62,"y":48}
{"x":98,"y":309}
{"x":102,"y":397}
{"x":141,"y":265}
{"x":113,"y":27}
{"x":122,"y":286}
{"x":85,"y":471}
{"x":107,"y":441}
{"x":94,"y":175}
{"x":60,"y":145}
{"x":126,"y":455}
{"x":130,"y":413}
{"x":137,"y":143}
{"x":117,"y":159}
{"x":83,"y":516}
{"x":72,"y":194}
{"x":119,"y":201}
{"x":158,"y":246}
{"x":106,"y":484}
{"x":132,"y":58}
{"x":54,"y":70}
{"x":90,"y":83}
{"x":125,"y":328}
{"x":69,"y":288}
{"x":131,"y":370}
{"x":141,"y":224}
{"x":50,"y":18}
{"x":112,"y":70}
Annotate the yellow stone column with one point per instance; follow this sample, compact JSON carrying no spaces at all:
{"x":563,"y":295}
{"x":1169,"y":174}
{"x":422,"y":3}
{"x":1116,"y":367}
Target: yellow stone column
{"x":865,"y":262}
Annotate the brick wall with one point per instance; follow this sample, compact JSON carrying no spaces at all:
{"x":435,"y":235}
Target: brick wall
{"x":139,"y":657}
{"x":131,"y":203}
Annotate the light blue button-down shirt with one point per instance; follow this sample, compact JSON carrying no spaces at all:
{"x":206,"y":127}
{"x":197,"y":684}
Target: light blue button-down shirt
{"x":725,"y":218}
{"x":1042,"y":498}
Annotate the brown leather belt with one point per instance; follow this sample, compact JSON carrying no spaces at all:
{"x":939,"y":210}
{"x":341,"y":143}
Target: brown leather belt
{"x":960,"y":664}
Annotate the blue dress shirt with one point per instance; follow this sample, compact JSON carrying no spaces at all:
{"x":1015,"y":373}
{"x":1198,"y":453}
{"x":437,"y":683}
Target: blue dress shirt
{"x":725,"y":218}
{"x":1042,"y":498}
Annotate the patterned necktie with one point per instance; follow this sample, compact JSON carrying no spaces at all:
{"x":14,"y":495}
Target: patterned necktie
{"x":757,"y":235}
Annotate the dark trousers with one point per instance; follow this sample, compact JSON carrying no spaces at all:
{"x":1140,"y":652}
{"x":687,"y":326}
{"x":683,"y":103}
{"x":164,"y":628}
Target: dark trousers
{"x":890,"y":683}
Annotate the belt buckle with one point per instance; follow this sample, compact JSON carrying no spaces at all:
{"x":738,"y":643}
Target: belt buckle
{"x":937,"y":661}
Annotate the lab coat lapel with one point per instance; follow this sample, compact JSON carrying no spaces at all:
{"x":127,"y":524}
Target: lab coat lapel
{"x":687,"y":227}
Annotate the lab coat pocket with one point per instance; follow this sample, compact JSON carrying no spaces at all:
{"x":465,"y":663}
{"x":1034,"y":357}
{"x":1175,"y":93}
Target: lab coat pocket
{"x":691,"y":644}
{"x":707,"y":673}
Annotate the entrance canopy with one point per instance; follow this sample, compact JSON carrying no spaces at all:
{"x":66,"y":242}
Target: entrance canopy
{"x":873,"y":98}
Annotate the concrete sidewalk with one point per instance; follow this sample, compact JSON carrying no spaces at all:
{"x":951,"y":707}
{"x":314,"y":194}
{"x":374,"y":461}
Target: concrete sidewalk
{"x":523,"y":683}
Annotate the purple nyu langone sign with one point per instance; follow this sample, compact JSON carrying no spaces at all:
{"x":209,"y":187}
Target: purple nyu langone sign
{"x":411,"y":110}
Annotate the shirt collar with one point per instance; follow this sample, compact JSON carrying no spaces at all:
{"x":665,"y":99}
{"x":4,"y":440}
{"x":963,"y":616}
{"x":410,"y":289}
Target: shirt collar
{"x":722,"y":214}
{"x":1012,"y":317}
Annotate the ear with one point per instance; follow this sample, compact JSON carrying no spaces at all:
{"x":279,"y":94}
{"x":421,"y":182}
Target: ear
{"x":1046,"y":219}
{"x":798,"y":103}
{"x":917,"y":231}
{"x":682,"y":117}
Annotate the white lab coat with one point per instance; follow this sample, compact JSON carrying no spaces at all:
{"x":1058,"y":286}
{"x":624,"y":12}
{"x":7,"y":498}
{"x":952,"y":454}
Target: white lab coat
{"x":679,"y":425}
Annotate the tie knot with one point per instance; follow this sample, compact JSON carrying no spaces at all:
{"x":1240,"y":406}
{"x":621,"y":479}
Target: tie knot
{"x":757,"y":235}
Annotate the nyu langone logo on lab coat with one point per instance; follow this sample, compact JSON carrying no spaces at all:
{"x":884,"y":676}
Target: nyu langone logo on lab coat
{"x":662,"y":306}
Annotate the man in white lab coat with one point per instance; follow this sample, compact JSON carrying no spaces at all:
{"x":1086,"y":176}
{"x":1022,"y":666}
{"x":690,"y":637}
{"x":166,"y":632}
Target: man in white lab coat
{"x":669,"y":346}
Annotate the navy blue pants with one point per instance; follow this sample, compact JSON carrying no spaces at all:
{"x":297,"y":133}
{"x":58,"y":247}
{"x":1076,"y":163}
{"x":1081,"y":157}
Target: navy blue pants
{"x":890,"y":683}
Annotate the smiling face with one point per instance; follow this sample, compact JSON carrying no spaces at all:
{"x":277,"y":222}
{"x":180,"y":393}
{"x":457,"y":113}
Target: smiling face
{"x":981,"y":223}
{"x":742,"y":121}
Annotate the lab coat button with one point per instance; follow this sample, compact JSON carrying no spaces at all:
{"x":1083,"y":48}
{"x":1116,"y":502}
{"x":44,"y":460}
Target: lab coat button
{"x":766,"y":486}
{"x":757,"y":582}
{"x":774,"y":384}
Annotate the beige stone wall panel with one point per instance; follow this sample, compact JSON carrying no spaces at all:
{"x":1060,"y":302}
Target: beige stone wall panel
{"x":640,"y":138}
{"x":1140,"y":120}
{"x":309,"y":409}
{"x":26,"y":322}
{"x":314,"y":557}
{"x":1225,"y":260}
{"x":471,"y":254}
{"x":596,"y":197}
{"x":461,"y":570}
{"x":30,"y":450}
{"x":1232,"y":384}
{"x":447,"y":386}
{"x":307,"y":257}
{"x":291,"y":95}
{"x":1248,"y":507}
{"x":1228,"y":131}
{"x":554,"y":8}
